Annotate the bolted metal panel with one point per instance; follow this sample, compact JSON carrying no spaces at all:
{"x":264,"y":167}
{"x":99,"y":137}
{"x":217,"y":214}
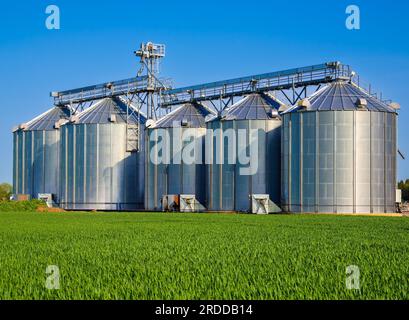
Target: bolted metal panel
{"x":184,"y":127}
{"x":347,"y":161}
{"x":343,"y":96}
{"x":36,"y":163}
{"x":36,"y":155}
{"x":174,"y":177}
{"x":227,"y":188}
{"x":230,"y":190}
{"x":97,"y":170}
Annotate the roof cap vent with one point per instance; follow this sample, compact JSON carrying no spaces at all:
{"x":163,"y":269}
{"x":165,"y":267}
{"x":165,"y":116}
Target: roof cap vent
{"x":283,"y":107}
{"x":112,"y":118}
{"x":74,"y":119}
{"x":184,"y":122}
{"x":395,"y":105}
{"x":304,"y":104}
{"x":361,"y":103}
{"x":59,"y":123}
{"x":274,"y":113}
{"x":150,"y":123}
{"x":209,"y":117}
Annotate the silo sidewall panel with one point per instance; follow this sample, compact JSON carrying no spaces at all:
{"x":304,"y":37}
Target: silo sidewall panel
{"x":71,"y":165}
{"x":200,"y":168}
{"x":244,"y":183}
{"x":80,"y":166}
{"x":15,"y":162}
{"x":391,"y":151}
{"x":326,"y":162}
{"x":51,"y":163}
{"x":228,"y":201}
{"x":344,"y":161}
{"x":149,"y":172}
{"x":285,"y":168}
{"x":161,"y":168}
{"x":140,"y":162}
{"x":39,"y":162}
{"x":378,"y":162}
{"x":273,"y":159}
{"x":29,"y":164}
{"x":104,"y":165}
{"x":295,"y":162}
{"x":188,"y":170}
{"x":20,"y":162}
{"x":363,"y":162}
{"x":63,"y":167}
{"x":156,"y":175}
{"x":91,"y":164}
{"x":174,"y":168}
{"x":308,"y":162}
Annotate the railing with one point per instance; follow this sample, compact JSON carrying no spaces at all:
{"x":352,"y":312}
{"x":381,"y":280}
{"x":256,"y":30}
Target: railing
{"x":280,"y":80}
{"x":95,"y":92}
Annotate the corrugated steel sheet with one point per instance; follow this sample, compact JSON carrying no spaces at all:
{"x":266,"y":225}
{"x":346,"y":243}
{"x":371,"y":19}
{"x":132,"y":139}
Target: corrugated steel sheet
{"x":253,"y":107}
{"x":339,"y":162}
{"x":102,"y":111}
{"x":193,"y":114}
{"x":226,"y":188}
{"x":340,"y":155}
{"x":340,"y":96}
{"x":47,"y":120}
{"x":176,"y":178}
{"x":36,"y":154}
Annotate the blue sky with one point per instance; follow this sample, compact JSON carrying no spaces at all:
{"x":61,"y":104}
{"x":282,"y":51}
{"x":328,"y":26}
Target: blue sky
{"x":205,"y":41}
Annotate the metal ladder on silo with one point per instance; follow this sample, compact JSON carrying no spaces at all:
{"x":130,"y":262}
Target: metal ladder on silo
{"x":132,"y":137}
{"x":132,"y":129}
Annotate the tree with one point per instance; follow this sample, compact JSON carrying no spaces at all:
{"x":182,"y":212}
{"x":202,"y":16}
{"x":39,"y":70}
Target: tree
{"x":5,"y":191}
{"x":404,"y":186}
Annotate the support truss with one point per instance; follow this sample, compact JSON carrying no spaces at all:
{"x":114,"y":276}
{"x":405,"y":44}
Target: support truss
{"x":295,"y":80}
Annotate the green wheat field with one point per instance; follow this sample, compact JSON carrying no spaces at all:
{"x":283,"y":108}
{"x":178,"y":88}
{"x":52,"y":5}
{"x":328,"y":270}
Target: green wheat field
{"x":202,"y":256}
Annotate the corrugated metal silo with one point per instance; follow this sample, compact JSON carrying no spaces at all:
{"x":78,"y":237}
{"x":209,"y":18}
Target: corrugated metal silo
{"x":177,"y":176}
{"x":36,"y":154}
{"x":339,"y":153}
{"x":228,"y":187}
{"x":102,"y":158}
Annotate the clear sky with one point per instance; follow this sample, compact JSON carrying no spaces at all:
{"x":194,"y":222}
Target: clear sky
{"x":205,"y":41}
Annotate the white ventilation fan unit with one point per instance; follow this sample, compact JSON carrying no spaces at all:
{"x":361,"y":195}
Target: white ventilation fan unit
{"x":189,"y":203}
{"x":261,"y":204}
{"x":47,"y":198}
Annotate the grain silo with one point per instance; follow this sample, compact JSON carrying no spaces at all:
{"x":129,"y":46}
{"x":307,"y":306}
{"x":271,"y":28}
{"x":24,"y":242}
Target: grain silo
{"x":36,"y":155}
{"x":243,"y":163}
{"x":102,"y":158}
{"x":175,"y":169}
{"x":339,"y":153}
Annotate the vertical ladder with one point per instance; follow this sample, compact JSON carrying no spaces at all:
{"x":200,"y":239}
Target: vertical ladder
{"x":132,"y":137}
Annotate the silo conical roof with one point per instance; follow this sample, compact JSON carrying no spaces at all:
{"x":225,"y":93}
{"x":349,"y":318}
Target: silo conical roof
{"x":48,"y":119}
{"x":342,"y":95}
{"x":192,"y":113}
{"x":256,"y":106}
{"x":102,"y":111}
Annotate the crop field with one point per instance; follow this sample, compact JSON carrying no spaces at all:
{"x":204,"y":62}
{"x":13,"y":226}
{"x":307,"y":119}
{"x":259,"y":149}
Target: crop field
{"x":202,"y":256}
